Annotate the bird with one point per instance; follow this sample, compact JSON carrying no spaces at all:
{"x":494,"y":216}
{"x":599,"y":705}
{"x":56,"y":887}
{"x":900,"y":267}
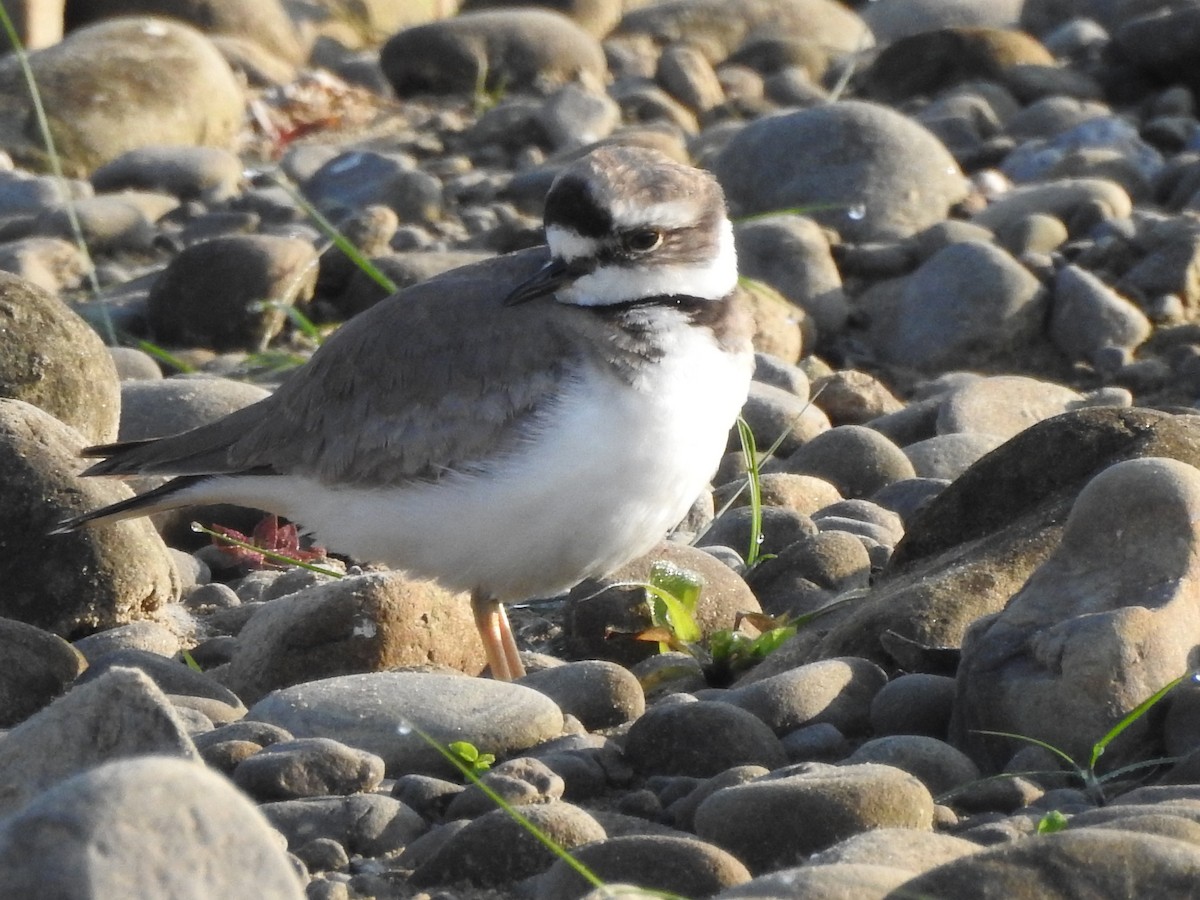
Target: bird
{"x":511,"y":427}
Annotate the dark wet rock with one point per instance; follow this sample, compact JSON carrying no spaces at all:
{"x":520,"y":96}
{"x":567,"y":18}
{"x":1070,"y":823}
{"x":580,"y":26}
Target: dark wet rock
{"x":860,"y":160}
{"x":85,"y":580}
{"x":601,"y":617}
{"x":210,"y":294}
{"x":50,"y":357}
{"x":778,"y":820}
{"x":119,"y":715}
{"x":1099,"y":626}
{"x":35,"y":667}
{"x":511,"y":50}
{"x":470,"y":855}
{"x":362,"y":623}
{"x":683,"y":866}
{"x":164,"y":83}
{"x":380,"y":712}
{"x":701,"y":739}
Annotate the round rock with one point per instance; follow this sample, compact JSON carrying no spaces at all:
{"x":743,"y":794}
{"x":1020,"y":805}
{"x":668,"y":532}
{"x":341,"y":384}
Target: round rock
{"x":308,"y":767}
{"x":859,"y":159}
{"x":84,"y":580}
{"x":381,"y":712}
{"x":600,"y":694}
{"x":209,"y":294}
{"x":857,"y":460}
{"x":681,"y":865}
{"x":700,"y":739}
{"x":361,"y":623}
{"x":35,"y":667}
{"x":150,"y":827}
{"x":51,"y":358}
{"x":164,"y":83}
{"x":778,"y":821}
{"x":510,"y":50}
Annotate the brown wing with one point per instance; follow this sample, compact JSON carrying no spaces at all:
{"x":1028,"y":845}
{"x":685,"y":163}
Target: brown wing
{"x":404,"y":390}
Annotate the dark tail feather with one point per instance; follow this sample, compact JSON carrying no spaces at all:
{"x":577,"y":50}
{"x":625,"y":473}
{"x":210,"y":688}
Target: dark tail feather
{"x":141,"y":505}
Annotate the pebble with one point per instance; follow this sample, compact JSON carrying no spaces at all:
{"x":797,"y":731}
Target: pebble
{"x":701,"y":739}
{"x":598,"y":693}
{"x":208,"y":174}
{"x":121,"y":714}
{"x":837,"y":692}
{"x":35,"y":667}
{"x":179,"y":826}
{"x":380,"y":712}
{"x":779,"y":819}
{"x":158,"y":407}
{"x":857,"y":460}
{"x":682,"y":866}
{"x":308,"y":767}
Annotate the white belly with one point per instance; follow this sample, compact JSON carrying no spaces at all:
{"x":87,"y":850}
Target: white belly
{"x":615,"y":468}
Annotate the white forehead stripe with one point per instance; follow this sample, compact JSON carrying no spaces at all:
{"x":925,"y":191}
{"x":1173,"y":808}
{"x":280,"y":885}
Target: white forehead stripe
{"x":569,"y":245}
{"x":669,"y":214}
{"x":709,"y":280}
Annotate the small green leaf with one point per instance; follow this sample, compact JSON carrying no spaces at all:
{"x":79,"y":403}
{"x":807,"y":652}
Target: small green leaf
{"x":1052,"y":822}
{"x":672,"y":594}
{"x":190,"y":661}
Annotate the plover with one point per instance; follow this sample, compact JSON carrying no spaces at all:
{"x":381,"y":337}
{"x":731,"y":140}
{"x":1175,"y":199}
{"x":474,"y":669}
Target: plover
{"x":511,"y":427}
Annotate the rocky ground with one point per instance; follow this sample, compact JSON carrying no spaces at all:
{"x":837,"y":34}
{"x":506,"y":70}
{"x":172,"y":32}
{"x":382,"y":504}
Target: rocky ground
{"x":969,"y":235}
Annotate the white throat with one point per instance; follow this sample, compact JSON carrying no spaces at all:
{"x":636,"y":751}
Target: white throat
{"x":709,"y":279}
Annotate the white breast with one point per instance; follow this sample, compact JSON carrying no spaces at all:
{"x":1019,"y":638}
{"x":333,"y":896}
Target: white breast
{"x":612,"y":470}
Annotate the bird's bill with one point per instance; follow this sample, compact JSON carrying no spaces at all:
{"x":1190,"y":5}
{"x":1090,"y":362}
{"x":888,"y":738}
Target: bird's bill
{"x":546,"y":280}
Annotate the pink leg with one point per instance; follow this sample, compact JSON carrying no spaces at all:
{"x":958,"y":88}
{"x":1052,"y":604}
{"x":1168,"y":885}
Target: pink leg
{"x":498,"y":641}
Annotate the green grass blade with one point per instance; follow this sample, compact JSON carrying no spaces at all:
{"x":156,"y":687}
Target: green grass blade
{"x":754,"y":476}
{"x":1030,"y":740}
{"x":331,"y":231}
{"x":1136,"y":713}
{"x":165,"y":356}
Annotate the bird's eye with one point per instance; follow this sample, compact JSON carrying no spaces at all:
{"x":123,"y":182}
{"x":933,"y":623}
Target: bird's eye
{"x":643,"y":241}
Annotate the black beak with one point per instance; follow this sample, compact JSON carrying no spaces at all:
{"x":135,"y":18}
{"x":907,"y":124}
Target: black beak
{"x":545,"y":280}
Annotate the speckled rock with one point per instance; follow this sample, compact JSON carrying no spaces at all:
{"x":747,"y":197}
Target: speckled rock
{"x":84,"y":580}
{"x":51,"y":358}
{"x":362,"y":623}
